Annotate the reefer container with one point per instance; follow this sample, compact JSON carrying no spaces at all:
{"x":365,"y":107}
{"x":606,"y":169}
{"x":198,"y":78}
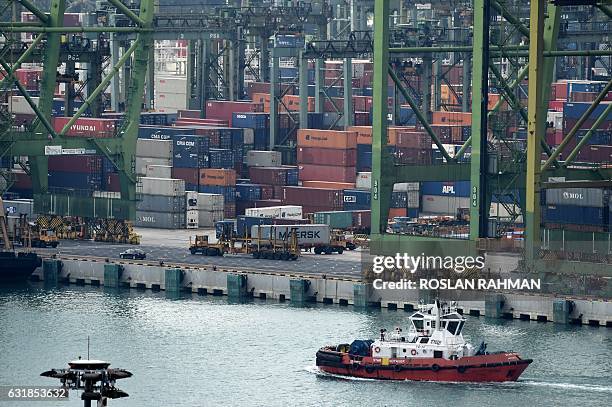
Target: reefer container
{"x":163,"y":186}
{"x":286,"y":211}
{"x":210,"y":202}
{"x":159,"y":171}
{"x":363,"y":180}
{"x":327,"y":138}
{"x":257,"y":158}
{"x":593,"y":197}
{"x":192,"y":219}
{"x":306,"y":234}
{"x":154,"y":148}
{"x":191,"y":200}
{"x":160,"y":220}
{"x":327,"y":156}
{"x":143,"y":162}
{"x":443,"y":205}
{"x":161,"y":203}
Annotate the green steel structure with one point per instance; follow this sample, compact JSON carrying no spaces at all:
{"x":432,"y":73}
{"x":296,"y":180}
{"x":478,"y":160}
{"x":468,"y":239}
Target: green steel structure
{"x":496,"y":166}
{"x":39,"y":140}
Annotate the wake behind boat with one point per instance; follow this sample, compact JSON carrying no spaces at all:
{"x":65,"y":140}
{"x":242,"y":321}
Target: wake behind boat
{"x":432,"y":350}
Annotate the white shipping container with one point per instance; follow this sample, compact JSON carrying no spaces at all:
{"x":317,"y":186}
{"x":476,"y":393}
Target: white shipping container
{"x":19,"y":105}
{"x":286,"y":212}
{"x":18,"y":207}
{"x":192,"y":217}
{"x":103,"y":194}
{"x":555,"y":118}
{"x":406,"y":186}
{"x":443,"y":205}
{"x":154,"y":148}
{"x":364,"y":180}
{"x":210,"y":202}
{"x":306,"y":234}
{"x":207,"y":219}
{"x":171,"y":84}
{"x":163,"y":186}
{"x":158,"y":171}
{"x":143,"y":162}
{"x":256,"y":158}
{"x":412,"y":199}
{"x":249,"y":136}
{"x":191,"y":200}
{"x":164,"y":100}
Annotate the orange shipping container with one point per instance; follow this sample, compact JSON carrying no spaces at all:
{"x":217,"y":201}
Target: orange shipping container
{"x":395,"y":212}
{"x":327,"y":138}
{"x":462,"y":118}
{"x":328,"y":185}
{"x":217,"y":176}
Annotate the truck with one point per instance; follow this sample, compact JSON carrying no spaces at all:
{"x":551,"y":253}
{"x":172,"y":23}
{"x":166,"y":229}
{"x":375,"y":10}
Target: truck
{"x":315,"y":237}
{"x":269,"y":248}
{"x":29,"y":234}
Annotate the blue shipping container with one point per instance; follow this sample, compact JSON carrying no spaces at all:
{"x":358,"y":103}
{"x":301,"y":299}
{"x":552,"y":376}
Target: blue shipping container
{"x":399,"y":199}
{"x":578,"y":215}
{"x":356,"y":199}
{"x":224,"y":228}
{"x":75,"y":180}
{"x":161,"y":133}
{"x":190,"y":151}
{"x":575,"y":110}
{"x":229,"y":193}
{"x":454,"y":188}
{"x":248,"y":192}
{"x":251,"y":120}
{"x":244,"y":223}
{"x":221,"y":158}
{"x":293,"y":175}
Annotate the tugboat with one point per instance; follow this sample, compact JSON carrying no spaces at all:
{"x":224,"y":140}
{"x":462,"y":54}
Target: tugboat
{"x":433,"y":349}
{"x":14,"y":266}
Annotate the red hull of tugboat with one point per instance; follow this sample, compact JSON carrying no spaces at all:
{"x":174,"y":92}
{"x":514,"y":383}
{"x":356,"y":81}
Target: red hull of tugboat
{"x":498,"y":367}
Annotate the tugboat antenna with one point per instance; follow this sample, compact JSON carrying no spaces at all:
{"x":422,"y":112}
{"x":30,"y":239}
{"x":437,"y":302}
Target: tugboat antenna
{"x":88,"y":347}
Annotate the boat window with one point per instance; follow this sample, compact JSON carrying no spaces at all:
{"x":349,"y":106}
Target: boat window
{"x":418,"y":324}
{"x":424,"y":340}
{"x":452,"y":326}
{"x":433,"y":324}
{"x":460,"y":327}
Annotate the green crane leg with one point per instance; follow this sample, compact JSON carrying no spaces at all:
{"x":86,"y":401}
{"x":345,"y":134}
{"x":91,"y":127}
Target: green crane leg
{"x":133,"y":109}
{"x":382,"y":165}
{"x":39,"y":165}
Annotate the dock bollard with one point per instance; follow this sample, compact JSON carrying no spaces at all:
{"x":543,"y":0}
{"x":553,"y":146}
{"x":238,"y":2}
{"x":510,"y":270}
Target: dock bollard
{"x":173,"y":279}
{"x":52,"y":269}
{"x":112,"y":275}
{"x":298,"y":291}
{"x":494,"y":303}
{"x":561,"y":311}
{"x":237,"y":286}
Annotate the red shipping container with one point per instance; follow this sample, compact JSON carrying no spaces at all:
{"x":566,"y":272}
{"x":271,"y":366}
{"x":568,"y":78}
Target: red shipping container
{"x":328,"y":185}
{"x":268,"y":175}
{"x":556,"y":105}
{"x":22,"y":180}
{"x":362,"y":220}
{"x":414,"y":156}
{"x":396,"y":212}
{"x":202,"y":122}
{"x":89,"y":164}
{"x":221,"y":109}
{"x":328,"y":198}
{"x":313,"y":172}
{"x":190,"y":175}
{"x":361,"y":119}
{"x":86,"y":127}
{"x":327,"y":156}
{"x":267,"y":192}
{"x":595,"y":153}
{"x":189,"y":114}
{"x":112,"y":183}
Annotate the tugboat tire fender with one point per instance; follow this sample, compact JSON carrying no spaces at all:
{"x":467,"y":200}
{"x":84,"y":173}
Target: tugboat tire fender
{"x":398,"y":368}
{"x":377,"y":349}
{"x":435,"y":367}
{"x":369,"y":369}
{"x":413,"y":352}
{"x":461,"y":369}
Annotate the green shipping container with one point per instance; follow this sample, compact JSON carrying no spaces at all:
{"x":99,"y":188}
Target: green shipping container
{"x":335,"y":219}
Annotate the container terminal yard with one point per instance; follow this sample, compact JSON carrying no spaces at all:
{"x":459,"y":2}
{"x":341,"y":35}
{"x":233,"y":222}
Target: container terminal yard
{"x":276,"y":150}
